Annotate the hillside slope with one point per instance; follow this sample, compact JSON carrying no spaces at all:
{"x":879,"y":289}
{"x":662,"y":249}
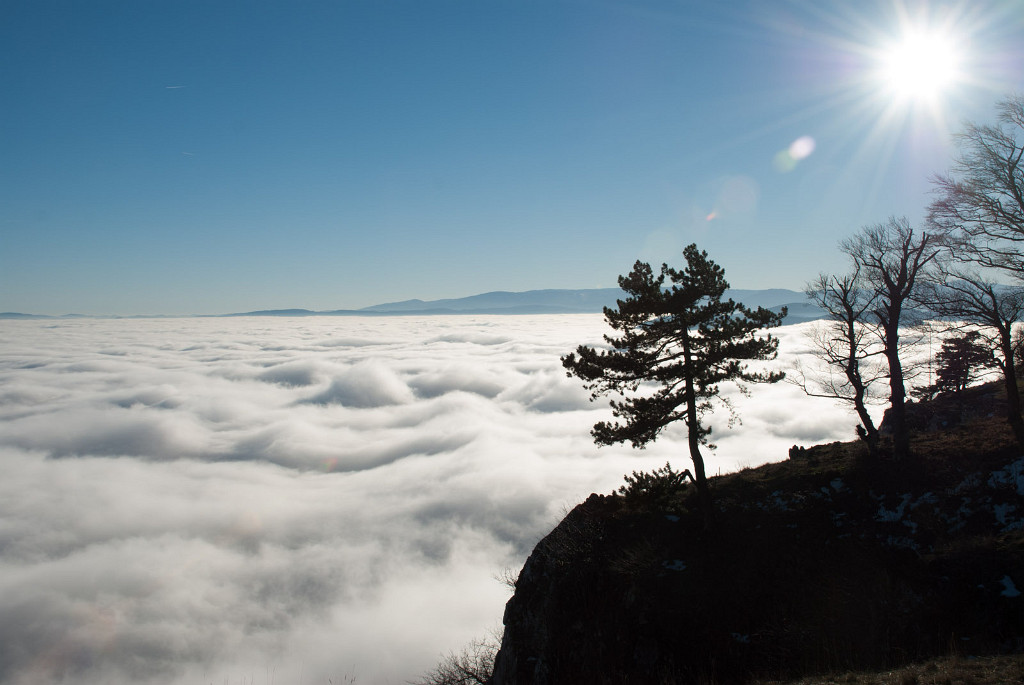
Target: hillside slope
{"x":819,"y":564}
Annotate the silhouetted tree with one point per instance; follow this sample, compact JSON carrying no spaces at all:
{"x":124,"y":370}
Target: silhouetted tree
{"x":677,"y":343}
{"x":1018,"y":352}
{"x":890,"y":258}
{"x":965,"y":295}
{"x":474,"y":665}
{"x":961,"y":361}
{"x":980,"y":203}
{"x":845,"y":344}
{"x":980,"y":210}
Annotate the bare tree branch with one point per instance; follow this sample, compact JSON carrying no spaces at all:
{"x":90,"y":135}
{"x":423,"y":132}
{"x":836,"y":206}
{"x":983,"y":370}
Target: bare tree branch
{"x":890,"y":259}
{"x":980,"y":203}
{"x":969,"y":296}
{"x":845,"y":345}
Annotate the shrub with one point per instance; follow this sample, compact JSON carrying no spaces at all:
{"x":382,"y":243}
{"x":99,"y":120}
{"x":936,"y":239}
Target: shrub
{"x":659,"y":488}
{"x":472,"y":666}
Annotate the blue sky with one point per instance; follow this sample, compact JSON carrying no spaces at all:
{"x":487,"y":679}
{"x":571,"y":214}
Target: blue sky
{"x":208,"y":157}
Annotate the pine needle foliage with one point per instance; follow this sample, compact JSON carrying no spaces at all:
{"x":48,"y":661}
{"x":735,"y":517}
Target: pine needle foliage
{"x":659,"y":488}
{"x":679,"y":339}
{"x":961,"y":361}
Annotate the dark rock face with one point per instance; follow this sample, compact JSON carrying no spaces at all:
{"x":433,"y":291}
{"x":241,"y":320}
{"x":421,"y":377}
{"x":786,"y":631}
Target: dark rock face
{"x":546,"y":614}
{"x":825,"y":575}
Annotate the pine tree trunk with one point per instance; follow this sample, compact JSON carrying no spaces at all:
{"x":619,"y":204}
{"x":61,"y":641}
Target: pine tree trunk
{"x":701,"y":480}
{"x":694,"y":431}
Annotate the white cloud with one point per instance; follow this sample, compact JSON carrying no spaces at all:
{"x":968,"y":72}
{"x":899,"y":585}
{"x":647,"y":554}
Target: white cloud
{"x":478,"y":379}
{"x":109,"y":431}
{"x":200,"y":500}
{"x":367,"y":384}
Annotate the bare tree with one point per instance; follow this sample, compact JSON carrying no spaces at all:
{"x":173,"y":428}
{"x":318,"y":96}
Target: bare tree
{"x":966,"y":295}
{"x":980,"y":203}
{"x":845,"y":345}
{"x":890,"y":258}
{"x":474,"y":665}
{"x":980,"y":210}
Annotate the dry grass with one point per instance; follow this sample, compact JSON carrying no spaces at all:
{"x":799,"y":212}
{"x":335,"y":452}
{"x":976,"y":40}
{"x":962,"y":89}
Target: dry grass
{"x":991,"y":670}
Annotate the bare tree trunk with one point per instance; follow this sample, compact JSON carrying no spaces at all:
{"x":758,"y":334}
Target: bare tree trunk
{"x":870,"y":432}
{"x":1013,"y":409}
{"x":898,"y":393}
{"x":1013,"y":406}
{"x":892,"y":258}
{"x":860,"y":391}
{"x":843,"y":346}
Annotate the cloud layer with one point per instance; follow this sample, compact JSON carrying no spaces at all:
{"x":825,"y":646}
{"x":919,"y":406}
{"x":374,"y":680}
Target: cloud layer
{"x":291,"y":500}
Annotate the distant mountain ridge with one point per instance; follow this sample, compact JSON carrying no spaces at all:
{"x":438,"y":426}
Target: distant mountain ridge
{"x":19,"y":315}
{"x":585,"y":301}
{"x":549,"y":301}
{"x":568,"y":301}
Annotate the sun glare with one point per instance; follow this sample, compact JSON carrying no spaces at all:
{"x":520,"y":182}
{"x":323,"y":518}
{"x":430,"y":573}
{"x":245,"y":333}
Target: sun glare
{"x":920,"y":66}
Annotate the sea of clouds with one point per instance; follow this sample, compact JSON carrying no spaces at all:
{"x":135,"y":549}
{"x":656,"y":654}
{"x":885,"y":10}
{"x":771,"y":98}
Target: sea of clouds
{"x":293,"y":500}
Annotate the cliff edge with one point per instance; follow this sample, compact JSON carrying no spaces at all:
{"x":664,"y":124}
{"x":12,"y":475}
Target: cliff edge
{"x":822,"y":563}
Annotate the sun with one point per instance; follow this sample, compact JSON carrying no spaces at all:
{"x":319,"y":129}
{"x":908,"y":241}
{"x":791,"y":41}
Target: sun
{"x":921,"y":66}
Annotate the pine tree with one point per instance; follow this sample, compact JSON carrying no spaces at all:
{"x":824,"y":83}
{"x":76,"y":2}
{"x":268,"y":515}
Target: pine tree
{"x":677,"y":343}
{"x":960,"y":361}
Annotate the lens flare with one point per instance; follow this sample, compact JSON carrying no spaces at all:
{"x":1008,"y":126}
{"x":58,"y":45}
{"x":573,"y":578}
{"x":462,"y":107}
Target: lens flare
{"x":801,"y":148}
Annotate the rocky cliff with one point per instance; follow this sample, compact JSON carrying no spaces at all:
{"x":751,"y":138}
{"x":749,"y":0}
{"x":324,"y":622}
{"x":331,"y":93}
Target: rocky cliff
{"x":816,"y":564}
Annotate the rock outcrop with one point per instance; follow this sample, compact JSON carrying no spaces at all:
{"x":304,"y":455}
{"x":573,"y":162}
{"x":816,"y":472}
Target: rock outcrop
{"x":814,"y":566}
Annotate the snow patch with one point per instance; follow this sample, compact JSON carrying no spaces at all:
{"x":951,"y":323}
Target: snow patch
{"x":1013,"y":474}
{"x":1001,"y":512}
{"x":1009,"y":589}
{"x":885,"y":515}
